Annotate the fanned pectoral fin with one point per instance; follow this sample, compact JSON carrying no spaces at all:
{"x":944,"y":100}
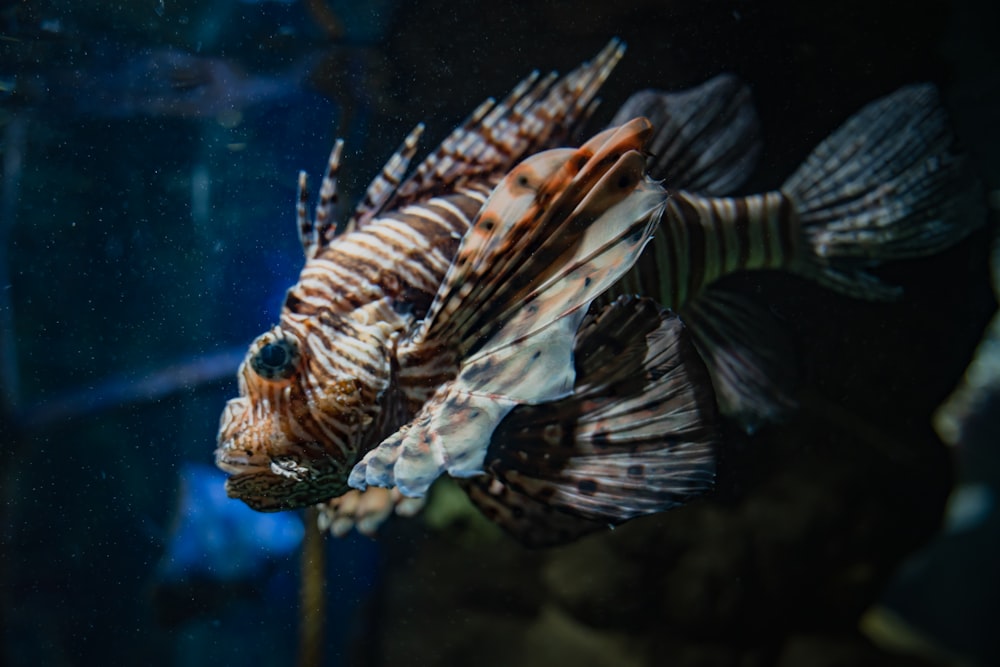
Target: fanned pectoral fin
{"x":556,"y":211}
{"x":637,"y":437}
{"x":452,"y":430}
{"x":558,"y":231}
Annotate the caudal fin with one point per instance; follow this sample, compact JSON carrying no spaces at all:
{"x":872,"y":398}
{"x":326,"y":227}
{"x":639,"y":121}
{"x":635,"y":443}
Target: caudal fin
{"x":887,"y":185}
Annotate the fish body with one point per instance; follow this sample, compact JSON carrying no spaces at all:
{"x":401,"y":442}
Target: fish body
{"x":463,"y":321}
{"x":329,"y":382}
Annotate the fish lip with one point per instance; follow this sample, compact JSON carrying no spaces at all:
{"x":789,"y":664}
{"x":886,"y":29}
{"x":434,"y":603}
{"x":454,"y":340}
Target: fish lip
{"x":239,"y":469}
{"x":274,"y":488}
{"x":270,"y":482}
{"x":239,"y":465}
{"x":228,"y":461}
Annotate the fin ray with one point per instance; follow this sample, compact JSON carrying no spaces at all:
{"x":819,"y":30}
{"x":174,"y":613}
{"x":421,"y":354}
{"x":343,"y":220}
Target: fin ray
{"x":539,"y":113}
{"x":707,"y":138}
{"x":746,"y":352}
{"x":635,"y":438}
{"x":515,"y":296}
{"x":886,"y":185}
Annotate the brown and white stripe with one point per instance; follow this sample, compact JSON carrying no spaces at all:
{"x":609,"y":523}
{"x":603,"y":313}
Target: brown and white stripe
{"x":366,"y":283}
{"x":701,"y":239}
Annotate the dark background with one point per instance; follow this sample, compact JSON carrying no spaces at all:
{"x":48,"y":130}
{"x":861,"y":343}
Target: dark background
{"x":148,"y":225}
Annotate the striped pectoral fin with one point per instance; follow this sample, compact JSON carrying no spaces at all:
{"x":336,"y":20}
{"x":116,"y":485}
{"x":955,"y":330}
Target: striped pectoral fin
{"x":747,"y":353}
{"x":453,"y":428}
{"x":526,"y":283}
{"x":526,"y":359}
{"x":637,"y":436}
{"x":561,"y":213}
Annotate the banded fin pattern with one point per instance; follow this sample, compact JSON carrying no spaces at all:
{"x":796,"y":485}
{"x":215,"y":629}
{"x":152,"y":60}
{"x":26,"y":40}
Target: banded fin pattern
{"x":887,"y":185}
{"x":314,"y":234}
{"x":383,"y":186}
{"x":707,"y":138}
{"x":557,"y":232}
{"x":535,"y":219}
{"x":636,"y":437}
{"x":539,"y":113}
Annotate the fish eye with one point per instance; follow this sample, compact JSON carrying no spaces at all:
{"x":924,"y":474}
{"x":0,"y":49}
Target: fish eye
{"x":276,"y":359}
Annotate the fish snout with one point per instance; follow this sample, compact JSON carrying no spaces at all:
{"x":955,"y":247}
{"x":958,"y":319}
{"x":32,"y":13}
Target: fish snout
{"x":242,"y":445}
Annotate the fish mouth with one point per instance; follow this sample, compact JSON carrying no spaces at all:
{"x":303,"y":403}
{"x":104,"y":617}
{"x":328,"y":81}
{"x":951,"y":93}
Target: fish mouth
{"x":237,"y":469}
{"x":282,"y":482}
{"x":235,"y":461}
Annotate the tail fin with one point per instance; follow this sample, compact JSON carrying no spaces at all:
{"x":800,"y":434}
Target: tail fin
{"x":636,"y":437}
{"x":707,"y":138}
{"x":886,"y":185}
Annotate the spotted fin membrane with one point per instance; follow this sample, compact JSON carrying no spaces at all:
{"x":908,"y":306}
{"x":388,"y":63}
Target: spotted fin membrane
{"x":558,"y":231}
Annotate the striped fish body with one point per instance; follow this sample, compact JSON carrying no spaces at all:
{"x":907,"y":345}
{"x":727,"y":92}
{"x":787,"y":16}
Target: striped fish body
{"x":322,"y":386}
{"x":704,"y":140}
{"x":561,"y":228}
{"x":326,"y":384}
{"x":449,"y":309}
{"x":706,"y":238}
{"x":383,"y":279}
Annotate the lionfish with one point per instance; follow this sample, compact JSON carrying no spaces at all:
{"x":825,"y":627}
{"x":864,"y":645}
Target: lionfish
{"x":464,"y":319}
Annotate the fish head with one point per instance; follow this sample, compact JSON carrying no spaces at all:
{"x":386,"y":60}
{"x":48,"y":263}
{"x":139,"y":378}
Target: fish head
{"x":295,"y":431}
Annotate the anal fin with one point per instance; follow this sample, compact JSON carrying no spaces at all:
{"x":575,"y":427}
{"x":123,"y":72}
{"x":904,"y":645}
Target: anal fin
{"x":747,"y":353}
